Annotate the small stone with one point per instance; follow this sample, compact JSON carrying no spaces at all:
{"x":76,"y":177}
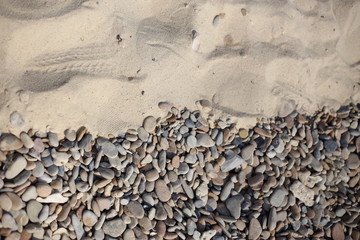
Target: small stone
{"x":89,"y":218}
{"x":162,"y":190}
{"x":145,"y":223}
{"x":247,"y":152}
{"x":9,"y":142}
{"x":5,"y":202}
{"x":256,"y":180}
{"x":129,"y":235}
{"x":78,"y":227}
{"x":109,"y":149}
{"x":262,"y":132}
{"x":135,"y":209}
{"x":39,"y":170}
{"x":278,"y":196}
{"x":272,"y":219}
{"x":8,"y":221}
{"x":70,"y":134}
{"x":152,"y":175}
{"x":38,"y":145}
{"x":226,"y":191}
{"x":53,"y":198}
{"x":85,"y":141}
{"x":106,"y":173}
{"x":16,"y":202}
{"x":43,"y":190}
{"x":114,"y":228}
{"x":243,"y":133}
{"x":53,"y":139}
{"x":16,"y":119}
{"x":16,"y":167}
{"x":191,"y":141}
{"x":337,"y":232}
{"x":149,"y":124}
{"x":33,"y":209}
{"x":233,"y":204}
{"x":255,"y":229}
{"x":303,"y":193}
{"x":29,"y":194}
{"x":204,"y":140}
{"x":26,"y":140}
{"x":231,"y":163}
{"x":353,"y":161}
{"x":330,"y":146}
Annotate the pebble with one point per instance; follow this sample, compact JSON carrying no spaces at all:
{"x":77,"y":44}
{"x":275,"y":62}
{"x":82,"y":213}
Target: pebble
{"x":53,"y":139}
{"x":255,"y":229}
{"x":152,"y":175}
{"x":337,"y":232}
{"x":16,"y":202}
{"x":272,"y":220}
{"x":9,"y":142}
{"x":231,"y":163}
{"x":39,"y":170}
{"x":78,"y":227}
{"x":248,"y":151}
{"x":114,"y":228}
{"x":38,"y":145}
{"x":16,"y":168}
{"x":43,"y":190}
{"x":204,"y":140}
{"x":29,"y":194}
{"x":233,"y":204}
{"x":106,"y":173}
{"x":5,"y":202}
{"x":330,"y":146}
{"x":226,"y":191}
{"x":191,"y":141}
{"x":278,"y":196}
{"x":135,"y":209}
{"x":109,"y":149}
{"x":26,"y":140}
{"x":33,"y":209}
{"x":162,"y":190}
{"x":353,"y":162}
{"x":303,"y":193}
{"x":70,"y":134}
{"x":149,"y":124}
{"x":89,"y":218}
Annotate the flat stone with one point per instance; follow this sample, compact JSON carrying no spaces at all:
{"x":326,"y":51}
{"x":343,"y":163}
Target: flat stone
{"x":145,"y":223}
{"x":278,"y":196}
{"x":256,"y":180}
{"x":39,"y":170}
{"x":162,"y":190}
{"x":78,"y":227}
{"x":5,"y":202}
{"x":109,"y":149}
{"x":149,"y":124}
{"x":231,"y":163}
{"x":135,"y":209}
{"x":255,"y":229}
{"x":114,"y":228}
{"x":353,"y":161}
{"x":143,"y":134}
{"x":104,"y":203}
{"x":337,"y":232}
{"x":315,"y":164}
{"x":70,"y":134}
{"x":16,"y":167}
{"x":53,"y":198}
{"x":53,"y":139}
{"x":43,"y":190}
{"x":226,"y":190}
{"x":330,"y":146}
{"x":29,"y":194}
{"x":9,"y":142}
{"x":191,"y":141}
{"x":152,"y":175}
{"x":129,"y":235}
{"x":233,"y":204}
{"x":248,"y":151}
{"x":8,"y":221}
{"x":85,"y":141}
{"x":89,"y":218}
{"x":16,"y":202}
{"x":106,"y":173}
{"x":38,"y":145}
{"x":33,"y":209}
{"x":26,"y":140}
{"x":272,"y":220}
{"x":204,"y":140}
{"x":303,"y":193}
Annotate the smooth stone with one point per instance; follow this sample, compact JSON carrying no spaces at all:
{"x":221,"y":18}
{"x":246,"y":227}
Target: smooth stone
{"x":231,"y":163}
{"x":226,"y":190}
{"x":202,"y":192}
{"x":26,"y":140}
{"x":29,"y":194}
{"x":22,"y":178}
{"x":243,"y":133}
{"x":9,"y":142}
{"x":89,"y":218}
{"x":16,"y":202}
{"x":53,"y":139}
{"x":143,"y":134}
{"x":337,"y":232}
{"x":16,"y":167}
{"x":109,"y":149}
{"x":106,"y":173}
{"x":33,"y":209}
{"x":53,"y":198}
{"x":129,"y":235}
{"x":38,"y":145}
{"x":152,"y":175}
{"x":248,"y":151}
{"x":191,"y":141}
{"x":43,"y":190}
{"x":303,"y":193}
{"x":272,"y":220}
{"x":70,"y":134}
{"x":104,"y":203}
{"x":114,"y":228}
{"x":255,"y":229}
{"x":59,"y":158}
{"x":330,"y":146}
{"x":353,"y":161}
{"x":204,"y":140}
{"x":39,"y":170}
{"x":149,"y":124}
{"x":183,"y":168}
{"x":145,"y":223}
{"x":78,"y":226}
{"x":162,"y":190}
{"x":85,"y":141}
{"x":207,"y":235}
{"x":315,"y":164}
{"x":135,"y":209}
{"x":44,"y":213}
{"x":8,"y":222}
{"x":5,"y":202}
{"x":233,"y":204}
{"x":278,"y":196}
{"x":256,"y":180}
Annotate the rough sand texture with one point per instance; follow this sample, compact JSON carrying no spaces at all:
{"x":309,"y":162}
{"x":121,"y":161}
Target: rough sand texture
{"x":62,"y":63}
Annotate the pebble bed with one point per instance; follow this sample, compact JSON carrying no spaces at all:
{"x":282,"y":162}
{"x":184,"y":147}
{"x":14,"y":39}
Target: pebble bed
{"x":186,"y":176}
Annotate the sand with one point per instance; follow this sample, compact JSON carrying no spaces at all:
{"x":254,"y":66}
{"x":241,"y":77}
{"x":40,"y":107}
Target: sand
{"x":106,"y":64}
